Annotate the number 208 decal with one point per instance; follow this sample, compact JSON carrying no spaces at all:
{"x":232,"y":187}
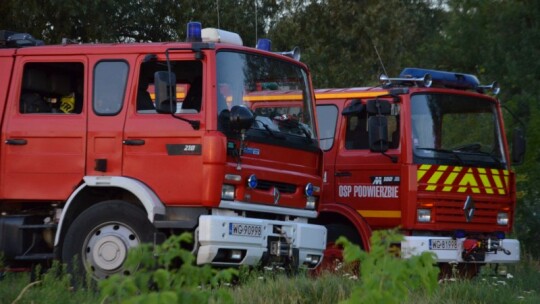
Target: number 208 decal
{"x":184,"y":149}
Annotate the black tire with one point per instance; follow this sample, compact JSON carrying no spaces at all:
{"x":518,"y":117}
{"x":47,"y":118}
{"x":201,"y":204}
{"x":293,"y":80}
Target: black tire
{"x":337,"y":230}
{"x":98,"y":241}
{"x":333,"y":255}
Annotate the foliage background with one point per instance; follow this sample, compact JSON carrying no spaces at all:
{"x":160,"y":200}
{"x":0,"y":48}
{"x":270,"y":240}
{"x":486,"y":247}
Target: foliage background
{"x":341,"y":42}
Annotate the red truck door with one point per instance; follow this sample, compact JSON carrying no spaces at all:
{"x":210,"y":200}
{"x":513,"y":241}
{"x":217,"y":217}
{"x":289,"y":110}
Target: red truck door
{"x":368,"y":181}
{"x":160,"y":150}
{"x":44,"y":132}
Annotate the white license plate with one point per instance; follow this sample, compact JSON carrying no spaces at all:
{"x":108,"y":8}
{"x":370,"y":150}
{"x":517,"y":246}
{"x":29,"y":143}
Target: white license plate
{"x":245,"y":230}
{"x":442,"y":244}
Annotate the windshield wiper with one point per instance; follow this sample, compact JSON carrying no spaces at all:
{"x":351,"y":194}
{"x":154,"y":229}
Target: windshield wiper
{"x":269,"y":130}
{"x":306,"y":132}
{"x":493,"y":157}
{"x":443,"y":151}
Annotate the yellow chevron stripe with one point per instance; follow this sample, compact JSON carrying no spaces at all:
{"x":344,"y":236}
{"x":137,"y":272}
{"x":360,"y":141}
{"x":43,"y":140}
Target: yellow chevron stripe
{"x":451,"y":178}
{"x":435,"y":178}
{"x":422,"y":171}
{"x":498,"y":182}
{"x":485,"y":181}
{"x":468,"y":179}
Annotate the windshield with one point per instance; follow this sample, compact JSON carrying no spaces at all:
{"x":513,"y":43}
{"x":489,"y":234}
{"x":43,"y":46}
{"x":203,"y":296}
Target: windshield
{"x":456,"y":130}
{"x":276,"y":91}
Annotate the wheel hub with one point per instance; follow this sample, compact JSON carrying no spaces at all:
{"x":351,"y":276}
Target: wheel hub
{"x":107,"y":249}
{"x":109,"y":253}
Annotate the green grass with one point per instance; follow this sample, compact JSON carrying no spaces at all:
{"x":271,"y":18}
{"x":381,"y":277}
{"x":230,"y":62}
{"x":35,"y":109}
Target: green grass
{"x":522,"y":285}
{"x":383,"y":278}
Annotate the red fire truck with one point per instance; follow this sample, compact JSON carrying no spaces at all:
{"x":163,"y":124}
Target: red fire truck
{"x":100,"y":153}
{"x":425,"y":152}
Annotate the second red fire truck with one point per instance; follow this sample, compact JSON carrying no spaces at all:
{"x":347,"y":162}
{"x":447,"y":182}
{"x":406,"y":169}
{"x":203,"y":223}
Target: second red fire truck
{"x":425,"y":152}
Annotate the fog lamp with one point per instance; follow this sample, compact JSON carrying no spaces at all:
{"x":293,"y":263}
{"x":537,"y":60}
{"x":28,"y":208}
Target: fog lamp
{"x":423,"y":215}
{"x":502,"y":218}
{"x":311,"y":203}
{"x":227,"y":192}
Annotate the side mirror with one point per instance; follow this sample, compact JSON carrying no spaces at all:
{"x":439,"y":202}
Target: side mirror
{"x":356,"y":107}
{"x":379,"y":107}
{"x":165,"y":88}
{"x":518,"y":147}
{"x":378,"y":133}
{"x":241,"y":118}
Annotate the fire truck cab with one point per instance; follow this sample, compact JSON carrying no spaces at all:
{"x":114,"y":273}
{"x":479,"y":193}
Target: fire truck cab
{"x":107,"y":146}
{"x":425,"y":152}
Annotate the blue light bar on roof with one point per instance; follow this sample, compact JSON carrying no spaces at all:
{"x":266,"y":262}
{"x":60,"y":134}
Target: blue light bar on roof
{"x":447,"y":79}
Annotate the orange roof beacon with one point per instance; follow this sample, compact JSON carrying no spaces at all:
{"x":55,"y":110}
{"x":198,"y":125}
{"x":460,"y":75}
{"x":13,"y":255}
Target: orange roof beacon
{"x":425,"y":152}
{"x":107,"y":146}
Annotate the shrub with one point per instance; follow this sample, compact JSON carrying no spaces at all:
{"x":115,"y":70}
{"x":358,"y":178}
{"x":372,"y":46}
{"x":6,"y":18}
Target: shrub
{"x":167,"y":274}
{"x":384,"y":276}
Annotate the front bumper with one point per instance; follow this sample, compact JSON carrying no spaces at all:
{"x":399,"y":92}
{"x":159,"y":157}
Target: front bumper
{"x":222,"y":243}
{"x":459,"y":251}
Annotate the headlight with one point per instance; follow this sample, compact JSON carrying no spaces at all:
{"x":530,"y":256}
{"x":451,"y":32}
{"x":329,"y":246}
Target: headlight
{"x":502,"y":218}
{"x":227,"y":192}
{"x":423,"y":215}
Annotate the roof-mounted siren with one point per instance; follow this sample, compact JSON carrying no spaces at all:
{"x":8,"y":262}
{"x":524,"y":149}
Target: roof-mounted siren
{"x":266,"y":45}
{"x":424,"y":80}
{"x":493,"y":87}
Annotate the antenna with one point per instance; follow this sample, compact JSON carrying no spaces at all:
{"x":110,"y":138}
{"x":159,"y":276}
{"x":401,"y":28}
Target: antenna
{"x":379,"y":56}
{"x":217,"y":10}
{"x":256,"y":23}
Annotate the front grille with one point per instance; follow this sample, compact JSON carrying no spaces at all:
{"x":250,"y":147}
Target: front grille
{"x":265,"y":185}
{"x":452,"y":212}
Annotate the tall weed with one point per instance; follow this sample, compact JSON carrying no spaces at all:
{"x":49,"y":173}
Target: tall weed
{"x":384,"y":276}
{"x":167,"y":274}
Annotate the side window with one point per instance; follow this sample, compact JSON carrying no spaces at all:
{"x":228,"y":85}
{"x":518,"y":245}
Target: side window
{"x":327,"y":118}
{"x":188,"y":86}
{"x":356,"y":134}
{"x":110,"y":79}
{"x":52,"y":87}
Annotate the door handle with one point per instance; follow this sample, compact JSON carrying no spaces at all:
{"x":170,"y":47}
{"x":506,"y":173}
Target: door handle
{"x":16,"y":142}
{"x":343,"y":173}
{"x":133,"y":142}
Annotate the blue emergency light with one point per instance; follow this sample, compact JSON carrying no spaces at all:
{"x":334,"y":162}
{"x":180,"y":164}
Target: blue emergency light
{"x":194,"y":32}
{"x":264,"y":44}
{"x":447,"y":79}
{"x":252,"y":181}
{"x":450,"y":79}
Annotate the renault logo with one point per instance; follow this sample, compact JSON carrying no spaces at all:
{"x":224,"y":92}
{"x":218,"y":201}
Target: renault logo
{"x":468,"y":209}
{"x":277,"y":196}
